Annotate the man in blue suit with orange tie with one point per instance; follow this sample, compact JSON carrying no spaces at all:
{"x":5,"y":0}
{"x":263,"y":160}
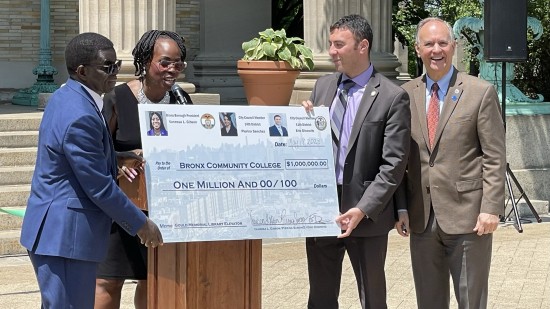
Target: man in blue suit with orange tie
{"x":74,"y":197}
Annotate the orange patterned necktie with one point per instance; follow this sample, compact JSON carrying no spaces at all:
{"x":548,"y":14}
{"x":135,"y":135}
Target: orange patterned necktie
{"x":433,"y":114}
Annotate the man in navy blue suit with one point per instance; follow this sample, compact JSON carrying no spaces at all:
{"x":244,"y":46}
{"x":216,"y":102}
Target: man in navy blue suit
{"x":74,"y":197}
{"x":277,"y":129}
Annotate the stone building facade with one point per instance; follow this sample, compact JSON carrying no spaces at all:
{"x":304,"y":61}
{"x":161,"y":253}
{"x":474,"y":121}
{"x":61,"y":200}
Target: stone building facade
{"x":20,"y":36}
{"x":213,"y":31}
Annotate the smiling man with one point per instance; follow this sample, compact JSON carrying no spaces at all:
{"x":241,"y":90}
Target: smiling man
{"x":74,"y":197}
{"x":370,"y":122}
{"x":455,"y":176}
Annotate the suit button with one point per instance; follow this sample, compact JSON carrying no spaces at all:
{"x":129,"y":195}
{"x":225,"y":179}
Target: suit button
{"x":431,"y":164}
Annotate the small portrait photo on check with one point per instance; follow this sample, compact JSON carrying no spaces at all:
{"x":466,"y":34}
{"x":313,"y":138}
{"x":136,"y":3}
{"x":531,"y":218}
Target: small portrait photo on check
{"x":278,"y":125}
{"x":156,"y":124}
{"x":228,"y":123}
{"x":208,"y":121}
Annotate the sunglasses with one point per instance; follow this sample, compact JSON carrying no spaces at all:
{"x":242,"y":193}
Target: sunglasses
{"x":178,"y":65}
{"x":110,"y":69}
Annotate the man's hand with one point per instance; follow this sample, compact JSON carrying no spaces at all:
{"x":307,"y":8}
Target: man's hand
{"x":349,"y":221}
{"x":308,"y":105}
{"x":486,"y":223}
{"x":402,"y":224}
{"x":150,"y":234}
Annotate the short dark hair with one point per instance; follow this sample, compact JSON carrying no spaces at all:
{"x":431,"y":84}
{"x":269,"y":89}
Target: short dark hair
{"x":84,"y":48}
{"x":144,"y":49}
{"x":358,"y":25}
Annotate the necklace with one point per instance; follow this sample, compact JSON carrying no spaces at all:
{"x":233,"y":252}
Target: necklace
{"x":143,"y":99}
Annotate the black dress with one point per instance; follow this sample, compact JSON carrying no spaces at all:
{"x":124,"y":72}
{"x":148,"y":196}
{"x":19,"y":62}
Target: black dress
{"x":126,"y":257}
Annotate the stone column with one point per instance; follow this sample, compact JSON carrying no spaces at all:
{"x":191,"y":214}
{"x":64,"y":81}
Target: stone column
{"x":319,"y":15}
{"x":459,"y":55}
{"x":224,"y":26}
{"x":402,"y":53}
{"x":124,"y":22}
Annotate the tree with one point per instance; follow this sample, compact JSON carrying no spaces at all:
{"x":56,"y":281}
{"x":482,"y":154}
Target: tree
{"x":407,"y":14}
{"x":533,"y":76}
{"x":288,"y":15}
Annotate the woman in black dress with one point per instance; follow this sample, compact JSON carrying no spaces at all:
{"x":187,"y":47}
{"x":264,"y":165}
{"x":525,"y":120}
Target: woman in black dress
{"x":159,"y":59}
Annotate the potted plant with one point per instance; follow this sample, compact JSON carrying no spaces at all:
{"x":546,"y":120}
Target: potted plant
{"x":270,"y":66}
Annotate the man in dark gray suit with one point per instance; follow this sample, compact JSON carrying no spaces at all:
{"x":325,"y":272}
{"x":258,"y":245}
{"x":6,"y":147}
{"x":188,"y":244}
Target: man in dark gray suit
{"x":370,"y":120}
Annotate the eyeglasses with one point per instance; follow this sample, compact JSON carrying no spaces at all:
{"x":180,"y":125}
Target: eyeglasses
{"x":178,"y":65}
{"x":110,"y":69}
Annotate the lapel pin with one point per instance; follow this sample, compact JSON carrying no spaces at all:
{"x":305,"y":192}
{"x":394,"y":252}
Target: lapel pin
{"x":373,"y":93}
{"x":454,"y":97}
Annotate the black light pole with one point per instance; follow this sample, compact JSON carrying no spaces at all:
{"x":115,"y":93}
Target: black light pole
{"x":504,"y":94}
{"x":44,"y":71}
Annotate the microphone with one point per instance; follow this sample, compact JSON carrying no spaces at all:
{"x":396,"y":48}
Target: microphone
{"x":178,"y":92}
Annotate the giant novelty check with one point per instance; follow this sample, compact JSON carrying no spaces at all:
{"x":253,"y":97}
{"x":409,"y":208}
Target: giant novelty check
{"x":238,"y":172}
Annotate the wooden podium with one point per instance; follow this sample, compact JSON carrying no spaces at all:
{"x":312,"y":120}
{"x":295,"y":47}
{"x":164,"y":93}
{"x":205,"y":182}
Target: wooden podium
{"x":200,"y":275}
{"x":219,"y":274}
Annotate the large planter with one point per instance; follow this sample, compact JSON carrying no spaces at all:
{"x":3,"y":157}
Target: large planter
{"x":267,"y":82}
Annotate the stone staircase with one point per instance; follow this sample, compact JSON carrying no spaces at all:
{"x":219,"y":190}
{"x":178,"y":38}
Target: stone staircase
{"x":18,"y":145}
{"x":18,"y":140}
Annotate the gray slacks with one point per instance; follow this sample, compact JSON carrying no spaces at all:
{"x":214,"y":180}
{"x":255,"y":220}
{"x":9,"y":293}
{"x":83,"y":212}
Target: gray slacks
{"x":324,"y":260}
{"x":465,"y":257}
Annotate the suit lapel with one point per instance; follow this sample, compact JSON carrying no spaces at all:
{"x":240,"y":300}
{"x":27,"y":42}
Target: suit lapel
{"x":109,"y":150}
{"x":451,"y":100}
{"x":369,"y":96}
{"x":331,"y":90}
{"x":77,"y":87}
{"x":420,"y":104}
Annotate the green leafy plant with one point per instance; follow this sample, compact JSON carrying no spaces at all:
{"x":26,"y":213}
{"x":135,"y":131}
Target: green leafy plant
{"x":275,"y":46}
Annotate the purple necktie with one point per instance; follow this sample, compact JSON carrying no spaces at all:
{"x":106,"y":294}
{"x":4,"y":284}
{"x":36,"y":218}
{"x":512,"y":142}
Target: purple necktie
{"x":339,"y":109}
